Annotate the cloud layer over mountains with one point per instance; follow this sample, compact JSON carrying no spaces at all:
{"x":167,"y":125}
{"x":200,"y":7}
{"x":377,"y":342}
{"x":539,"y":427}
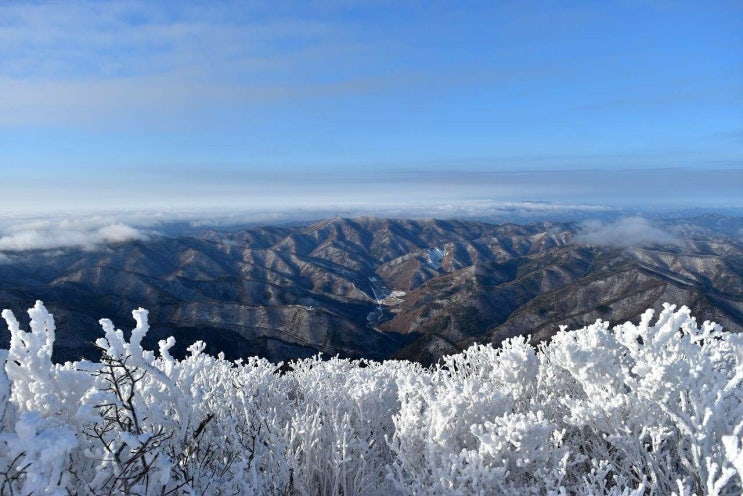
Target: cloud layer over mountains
{"x":600,"y":225}
{"x":89,"y":231}
{"x":50,"y":233}
{"x":624,"y":233}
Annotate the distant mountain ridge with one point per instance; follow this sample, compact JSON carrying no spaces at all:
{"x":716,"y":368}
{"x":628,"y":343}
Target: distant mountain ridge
{"x":375,"y":288}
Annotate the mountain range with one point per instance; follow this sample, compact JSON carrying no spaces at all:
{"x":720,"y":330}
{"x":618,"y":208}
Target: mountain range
{"x":376,"y":288}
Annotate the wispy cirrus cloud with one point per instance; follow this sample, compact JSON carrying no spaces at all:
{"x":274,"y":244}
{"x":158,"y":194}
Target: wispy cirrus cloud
{"x":87,"y":64}
{"x":79,"y":63}
{"x":120,"y":39}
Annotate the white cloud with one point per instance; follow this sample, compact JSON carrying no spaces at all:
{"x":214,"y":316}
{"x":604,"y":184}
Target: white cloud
{"x":624,"y":233}
{"x":86,"y":230}
{"x":50,"y":233}
{"x":34,"y":231}
{"x":37,"y":231}
{"x":116,"y":233}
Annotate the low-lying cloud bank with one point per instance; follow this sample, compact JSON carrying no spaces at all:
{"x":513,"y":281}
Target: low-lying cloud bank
{"x":51,"y":233}
{"x":88,"y":231}
{"x":626,"y":232}
{"x":465,"y":209}
{"x":22,"y":232}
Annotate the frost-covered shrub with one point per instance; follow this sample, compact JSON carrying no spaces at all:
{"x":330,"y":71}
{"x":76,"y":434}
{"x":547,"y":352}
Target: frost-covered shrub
{"x":337,"y":431}
{"x":654,"y":408}
{"x":467,"y":427}
{"x":5,"y":415}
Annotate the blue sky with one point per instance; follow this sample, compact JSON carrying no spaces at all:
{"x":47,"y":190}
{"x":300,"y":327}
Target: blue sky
{"x":238,"y":104}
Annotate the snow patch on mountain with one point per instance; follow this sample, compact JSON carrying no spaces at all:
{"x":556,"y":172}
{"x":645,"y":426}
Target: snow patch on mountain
{"x":435,"y":257}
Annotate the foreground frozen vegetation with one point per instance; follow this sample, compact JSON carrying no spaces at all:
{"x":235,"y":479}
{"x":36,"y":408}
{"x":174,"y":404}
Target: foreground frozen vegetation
{"x":654,"y":408}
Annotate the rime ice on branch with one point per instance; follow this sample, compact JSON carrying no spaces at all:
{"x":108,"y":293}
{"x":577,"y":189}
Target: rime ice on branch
{"x":652,"y":408}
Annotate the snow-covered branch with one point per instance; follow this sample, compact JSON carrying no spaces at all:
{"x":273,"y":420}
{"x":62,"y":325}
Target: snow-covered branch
{"x":648,"y":408}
